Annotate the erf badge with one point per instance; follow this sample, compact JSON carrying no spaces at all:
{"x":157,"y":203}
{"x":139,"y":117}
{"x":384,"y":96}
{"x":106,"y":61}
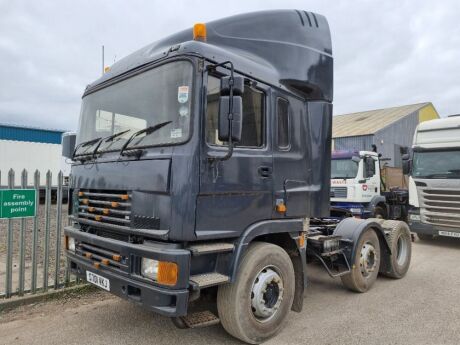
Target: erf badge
{"x":182,"y":94}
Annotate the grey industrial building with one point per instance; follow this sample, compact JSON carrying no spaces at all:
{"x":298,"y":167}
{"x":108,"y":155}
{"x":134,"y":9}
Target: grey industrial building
{"x":389,"y":129}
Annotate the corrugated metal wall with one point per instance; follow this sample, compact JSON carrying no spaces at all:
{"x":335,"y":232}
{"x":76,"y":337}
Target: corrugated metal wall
{"x":399,"y":134}
{"x":388,"y":140}
{"x":362,"y":142}
{"x":30,"y":134}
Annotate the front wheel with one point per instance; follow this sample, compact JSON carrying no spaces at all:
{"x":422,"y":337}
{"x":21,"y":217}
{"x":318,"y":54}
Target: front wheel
{"x":379,"y":212}
{"x":365,"y":267}
{"x":254,"y":308}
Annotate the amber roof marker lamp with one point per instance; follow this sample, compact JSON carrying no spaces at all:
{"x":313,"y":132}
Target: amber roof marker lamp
{"x":199,"y":32}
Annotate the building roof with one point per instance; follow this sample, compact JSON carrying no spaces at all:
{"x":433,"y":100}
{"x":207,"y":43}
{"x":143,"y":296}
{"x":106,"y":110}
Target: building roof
{"x":369,"y":122}
{"x":30,"y":134}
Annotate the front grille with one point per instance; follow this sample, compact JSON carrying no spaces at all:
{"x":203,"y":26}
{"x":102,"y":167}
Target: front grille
{"x":111,"y":209}
{"x":441,"y":207}
{"x":339,"y":192}
{"x":102,"y":256}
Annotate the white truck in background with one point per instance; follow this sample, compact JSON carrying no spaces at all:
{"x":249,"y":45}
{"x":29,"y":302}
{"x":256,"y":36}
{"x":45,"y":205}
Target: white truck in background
{"x":357,"y":185}
{"x":32,"y":156}
{"x":434,"y":182}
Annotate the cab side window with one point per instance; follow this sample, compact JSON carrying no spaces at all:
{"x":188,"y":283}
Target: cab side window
{"x":253,"y":115}
{"x":369,"y":167}
{"x":282,"y":107}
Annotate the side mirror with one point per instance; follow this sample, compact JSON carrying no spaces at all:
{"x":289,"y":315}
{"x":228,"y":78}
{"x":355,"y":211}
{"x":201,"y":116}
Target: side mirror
{"x":238,"y":86}
{"x":356,"y":159}
{"x":406,"y":164}
{"x":236,"y":120}
{"x":68,"y":144}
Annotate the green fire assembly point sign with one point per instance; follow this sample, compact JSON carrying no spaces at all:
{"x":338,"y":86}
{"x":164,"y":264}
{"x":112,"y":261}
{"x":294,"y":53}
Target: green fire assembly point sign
{"x":17,"y":203}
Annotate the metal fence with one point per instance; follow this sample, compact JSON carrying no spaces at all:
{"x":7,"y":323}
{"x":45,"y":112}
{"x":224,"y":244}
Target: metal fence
{"x":31,"y":255}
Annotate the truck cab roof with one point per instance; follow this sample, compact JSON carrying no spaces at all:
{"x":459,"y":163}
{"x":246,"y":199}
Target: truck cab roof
{"x":295,"y":54}
{"x":344,"y":154}
{"x":438,"y":133}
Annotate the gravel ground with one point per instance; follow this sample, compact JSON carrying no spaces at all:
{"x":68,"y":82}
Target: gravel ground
{"x":423,"y":308}
{"x":28,"y":247}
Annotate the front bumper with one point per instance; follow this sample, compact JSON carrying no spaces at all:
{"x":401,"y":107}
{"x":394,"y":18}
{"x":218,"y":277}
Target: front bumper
{"x":127,"y":283}
{"x":417,"y":226}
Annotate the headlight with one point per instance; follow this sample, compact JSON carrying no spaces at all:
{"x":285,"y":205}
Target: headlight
{"x":149,"y":268}
{"x":414,"y":217}
{"x":162,"y":272}
{"x":355,"y":210}
{"x":70,"y":243}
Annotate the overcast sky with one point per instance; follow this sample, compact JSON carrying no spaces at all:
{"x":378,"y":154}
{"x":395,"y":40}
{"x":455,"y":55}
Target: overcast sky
{"x":386,"y":53}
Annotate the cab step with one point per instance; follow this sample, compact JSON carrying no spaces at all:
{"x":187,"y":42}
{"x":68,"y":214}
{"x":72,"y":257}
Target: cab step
{"x":210,"y":248}
{"x":200,"y":319}
{"x":209,"y":279}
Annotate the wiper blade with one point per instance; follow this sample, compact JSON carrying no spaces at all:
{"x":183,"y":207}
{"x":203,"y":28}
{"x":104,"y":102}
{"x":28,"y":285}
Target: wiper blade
{"x":148,"y":130}
{"x":107,"y":139}
{"x":85,"y":144}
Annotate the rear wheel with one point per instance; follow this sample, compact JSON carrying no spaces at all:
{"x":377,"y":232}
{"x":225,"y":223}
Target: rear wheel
{"x":365,"y":268}
{"x":400,"y":244}
{"x":254,"y":308}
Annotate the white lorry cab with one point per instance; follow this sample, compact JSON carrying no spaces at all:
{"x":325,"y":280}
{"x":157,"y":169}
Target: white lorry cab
{"x":434,"y":182}
{"x":356,"y":185}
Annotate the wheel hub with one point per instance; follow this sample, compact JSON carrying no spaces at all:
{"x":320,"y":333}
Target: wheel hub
{"x":266,"y":294}
{"x":368,"y":260}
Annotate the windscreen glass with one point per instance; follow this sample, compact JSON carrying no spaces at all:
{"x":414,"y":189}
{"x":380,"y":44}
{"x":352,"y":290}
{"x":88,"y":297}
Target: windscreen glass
{"x":436,"y":164}
{"x":115,"y":113}
{"x":343,"y":168}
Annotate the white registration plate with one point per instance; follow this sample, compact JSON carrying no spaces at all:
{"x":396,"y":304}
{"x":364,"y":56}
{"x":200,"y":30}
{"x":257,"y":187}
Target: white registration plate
{"x":97,"y":280}
{"x":449,"y":234}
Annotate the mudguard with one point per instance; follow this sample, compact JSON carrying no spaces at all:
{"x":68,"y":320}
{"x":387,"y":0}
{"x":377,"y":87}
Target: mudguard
{"x":352,"y":229}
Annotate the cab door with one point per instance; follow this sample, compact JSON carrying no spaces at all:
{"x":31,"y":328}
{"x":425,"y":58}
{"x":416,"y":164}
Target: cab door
{"x":237,"y":192}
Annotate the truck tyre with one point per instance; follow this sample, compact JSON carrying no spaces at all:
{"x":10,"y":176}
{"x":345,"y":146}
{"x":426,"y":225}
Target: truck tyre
{"x":425,"y":237}
{"x":365,"y":268}
{"x":254,"y":307}
{"x":399,"y":240}
{"x":380,"y":213}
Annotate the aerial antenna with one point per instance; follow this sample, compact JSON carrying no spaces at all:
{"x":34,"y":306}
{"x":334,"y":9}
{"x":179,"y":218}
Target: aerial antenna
{"x":103,"y":60}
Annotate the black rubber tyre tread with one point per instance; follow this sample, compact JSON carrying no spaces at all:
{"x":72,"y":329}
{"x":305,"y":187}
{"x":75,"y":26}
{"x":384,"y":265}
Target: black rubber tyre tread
{"x":381,"y":211}
{"x":425,"y":237}
{"x":355,"y":281}
{"x":398,"y":229}
{"x":234,"y":300}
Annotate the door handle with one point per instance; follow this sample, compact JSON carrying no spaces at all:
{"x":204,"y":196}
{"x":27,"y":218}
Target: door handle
{"x":265,"y":171}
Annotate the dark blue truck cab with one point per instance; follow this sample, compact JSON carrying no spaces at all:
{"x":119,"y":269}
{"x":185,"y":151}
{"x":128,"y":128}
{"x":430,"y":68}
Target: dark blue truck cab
{"x":202,"y":169}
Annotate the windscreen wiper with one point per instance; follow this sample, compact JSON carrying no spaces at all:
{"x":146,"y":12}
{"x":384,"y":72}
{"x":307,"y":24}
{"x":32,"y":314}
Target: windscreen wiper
{"x":107,"y":139}
{"x":148,"y":130}
{"x":85,"y":144}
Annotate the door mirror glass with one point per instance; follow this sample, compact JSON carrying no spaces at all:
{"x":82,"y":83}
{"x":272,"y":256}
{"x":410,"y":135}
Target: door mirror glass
{"x":68,"y":144}
{"x":406,"y":164}
{"x":238,"y":86}
{"x":236,"y":122}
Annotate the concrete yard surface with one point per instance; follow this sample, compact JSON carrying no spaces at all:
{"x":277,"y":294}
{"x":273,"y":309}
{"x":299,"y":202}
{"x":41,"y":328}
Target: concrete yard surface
{"x":422,"y":308}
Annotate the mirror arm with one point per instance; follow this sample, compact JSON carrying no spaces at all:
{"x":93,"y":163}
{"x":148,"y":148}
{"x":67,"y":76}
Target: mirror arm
{"x":230,"y":117}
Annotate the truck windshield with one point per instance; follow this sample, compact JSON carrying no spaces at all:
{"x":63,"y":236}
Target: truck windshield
{"x":436,"y":164}
{"x":159,"y":95}
{"x":343,"y":168}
